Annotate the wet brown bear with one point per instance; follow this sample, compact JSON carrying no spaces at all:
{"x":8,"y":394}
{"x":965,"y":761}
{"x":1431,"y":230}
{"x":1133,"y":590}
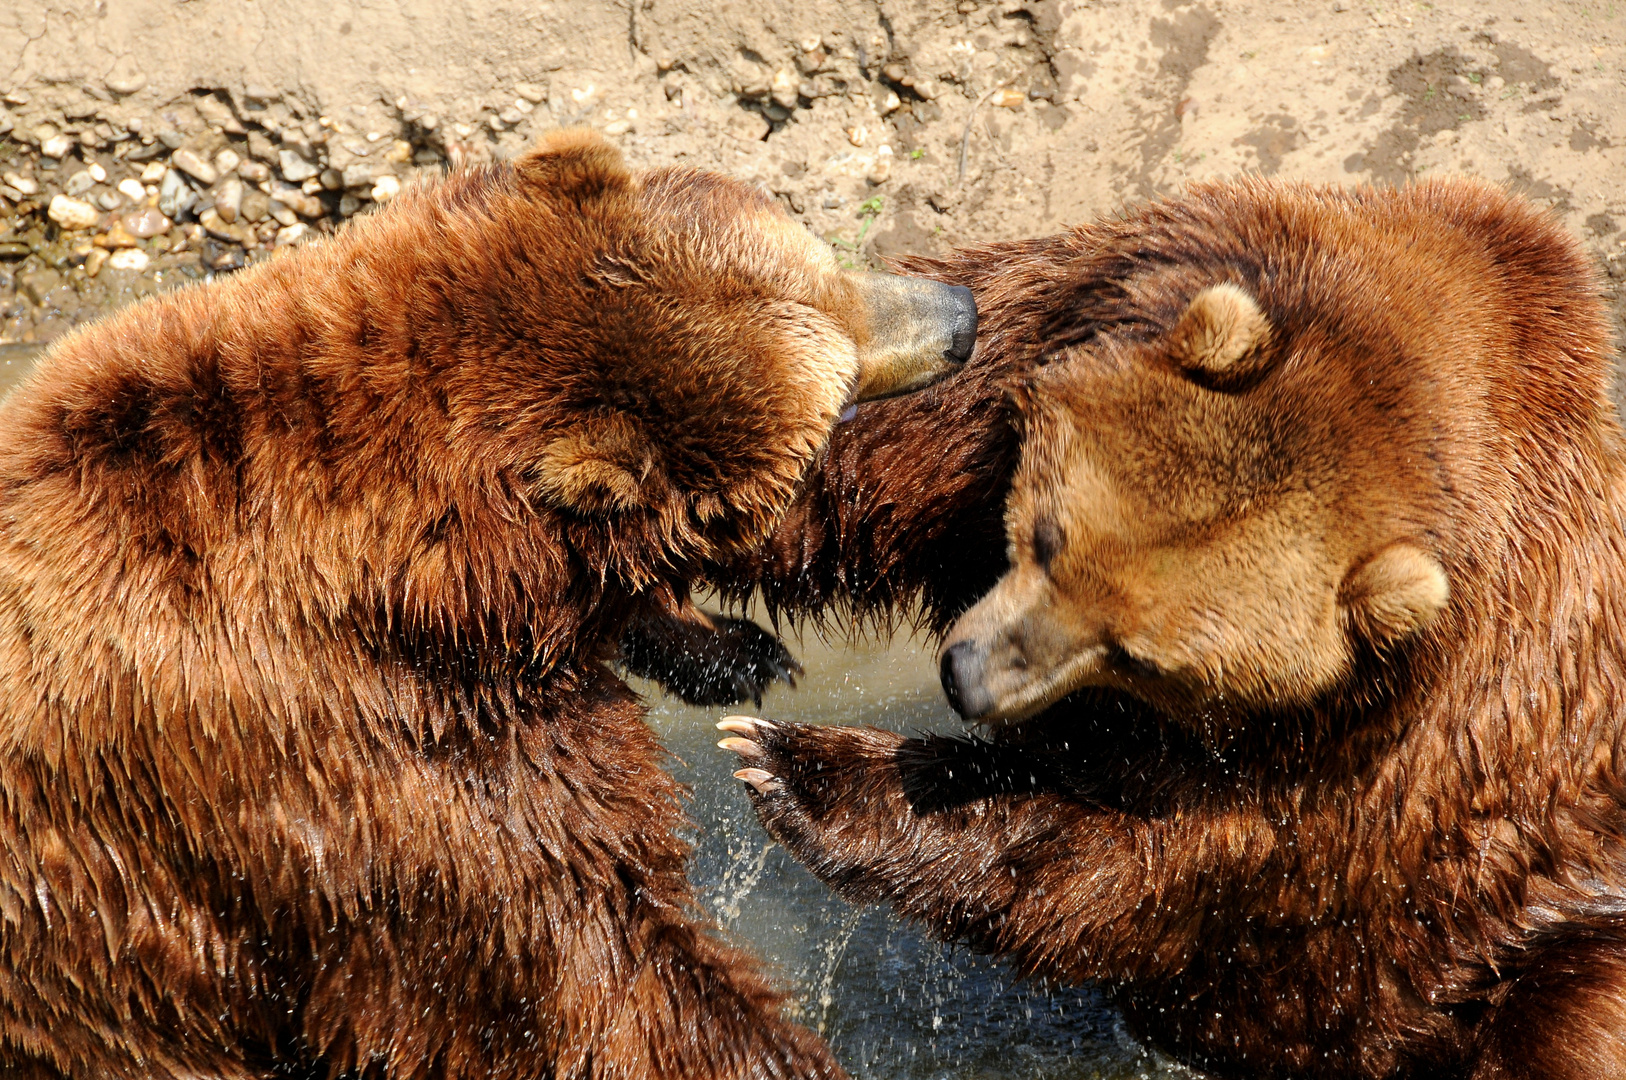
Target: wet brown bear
{"x":1308,"y":670}
{"x":312,"y":763}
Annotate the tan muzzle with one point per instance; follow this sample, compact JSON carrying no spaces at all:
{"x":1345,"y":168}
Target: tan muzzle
{"x":917,"y":331}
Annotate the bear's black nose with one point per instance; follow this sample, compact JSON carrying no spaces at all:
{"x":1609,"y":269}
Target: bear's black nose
{"x":961,"y":671}
{"x":964,"y":324}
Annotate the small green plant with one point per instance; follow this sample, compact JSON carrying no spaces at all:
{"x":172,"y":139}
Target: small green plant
{"x":1428,"y":91}
{"x":1476,"y":77}
{"x":917,"y":153}
{"x":868,"y":210}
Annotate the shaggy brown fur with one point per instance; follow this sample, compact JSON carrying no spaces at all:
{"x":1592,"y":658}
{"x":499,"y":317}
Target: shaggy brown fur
{"x":311,"y":762}
{"x":1317,"y":589}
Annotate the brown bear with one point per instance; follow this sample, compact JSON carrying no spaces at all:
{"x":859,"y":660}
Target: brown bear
{"x":1307,"y":670}
{"x":313,"y":765}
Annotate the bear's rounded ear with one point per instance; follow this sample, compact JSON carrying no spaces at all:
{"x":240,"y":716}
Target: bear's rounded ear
{"x":1221,"y":337}
{"x":1395,"y":593}
{"x":597,"y":466}
{"x":577,"y":164}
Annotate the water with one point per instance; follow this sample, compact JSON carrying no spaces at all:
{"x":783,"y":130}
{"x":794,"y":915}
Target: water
{"x":894,"y":1004}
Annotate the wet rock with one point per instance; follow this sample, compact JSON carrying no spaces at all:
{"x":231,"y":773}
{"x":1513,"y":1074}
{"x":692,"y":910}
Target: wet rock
{"x":215,"y":225}
{"x":194,"y":166}
{"x":132,"y":189}
{"x":229,"y":199}
{"x":15,"y":249}
{"x":119,"y":236}
{"x":79,"y":183}
{"x":144,"y":224}
{"x":223,"y":258}
{"x":94,"y":261}
{"x":37,"y":284}
{"x":71,"y":213}
{"x":295,"y":169}
{"x":175,"y":195}
{"x":129,"y":259}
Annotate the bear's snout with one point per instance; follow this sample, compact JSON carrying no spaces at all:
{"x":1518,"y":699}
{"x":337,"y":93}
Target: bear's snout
{"x":915,"y":332}
{"x":961,"y":671}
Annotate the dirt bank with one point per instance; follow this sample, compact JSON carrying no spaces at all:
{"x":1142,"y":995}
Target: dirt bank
{"x":891,"y":126}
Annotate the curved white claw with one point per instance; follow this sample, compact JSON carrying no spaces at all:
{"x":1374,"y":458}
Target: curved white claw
{"x":741,"y":725}
{"x":761,"y":779}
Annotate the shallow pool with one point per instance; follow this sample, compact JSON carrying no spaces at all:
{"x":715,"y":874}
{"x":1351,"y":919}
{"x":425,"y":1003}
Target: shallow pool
{"x":894,"y":1004}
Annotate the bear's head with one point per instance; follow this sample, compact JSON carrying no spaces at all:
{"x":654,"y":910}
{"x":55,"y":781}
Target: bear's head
{"x":1222,"y":508}
{"x":669,"y":347}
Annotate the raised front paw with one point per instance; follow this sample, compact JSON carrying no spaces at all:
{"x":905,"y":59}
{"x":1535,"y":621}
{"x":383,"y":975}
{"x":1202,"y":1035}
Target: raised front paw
{"x":831,"y":795}
{"x":708,"y":659}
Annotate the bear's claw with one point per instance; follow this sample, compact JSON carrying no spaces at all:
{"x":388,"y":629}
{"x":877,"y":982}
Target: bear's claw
{"x":748,"y":726}
{"x":743,"y":747}
{"x":763,"y":781}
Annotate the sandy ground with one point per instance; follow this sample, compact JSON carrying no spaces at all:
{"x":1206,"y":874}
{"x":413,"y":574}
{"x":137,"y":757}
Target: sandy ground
{"x":887,"y":127}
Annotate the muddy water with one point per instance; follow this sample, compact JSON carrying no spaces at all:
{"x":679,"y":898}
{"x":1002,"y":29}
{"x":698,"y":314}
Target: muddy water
{"x":895,"y":1005}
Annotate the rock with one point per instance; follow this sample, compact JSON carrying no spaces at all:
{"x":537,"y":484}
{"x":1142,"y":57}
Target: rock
{"x":254,"y":172}
{"x":783,"y":88}
{"x":126,"y":76}
{"x":227,"y":160}
{"x":295,"y":168}
{"x":56,"y":147}
{"x":531,"y":92}
{"x":109,"y":200}
{"x":618,"y":127}
{"x":131,"y":189}
{"x":7,"y":121}
{"x":71,"y":213}
{"x":14,"y":249}
{"x":882,"y":169}
{"x":24,"y":184}
{"x":255,"y":205}
{"x":37,"y":284}
{"x":260,"y":148}
{"x":147,"y":223}
{"x":193,"y":165}
{"x":172,"y":140}
{"x":858,"y":134}
{"x":215,"y":225}
{"x":217,"y":114}
{"x":333,"y":179}
{"x":1010,"y":99}
{"x":349,"y":204}
{"x":129,"y":259}
{"x":154,"y":172}
{"x":293,"y":234}
{"x":891,"y":103}
{"x":260,"y":94}
{"x":229,"y":199}
{"x":118,"y":236}
{"x":300,"y":202}
{"x":175,"y":195}
{"x":279,"y":212}
{"x":94,"y":261}
{"x":399,"y":153}
{"x":360,"y":174}
{"x":97,"y":173}
{"x":386,"y":188}
{"x":79,"y":183}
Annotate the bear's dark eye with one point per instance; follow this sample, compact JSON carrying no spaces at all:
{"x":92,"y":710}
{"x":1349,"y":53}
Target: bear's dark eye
{"x":1047,"y":541}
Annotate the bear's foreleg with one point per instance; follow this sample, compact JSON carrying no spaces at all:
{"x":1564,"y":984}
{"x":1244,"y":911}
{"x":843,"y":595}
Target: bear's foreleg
{"x":704,"y":658}
{"x":1564,"y":1015}
{"x":967,"y":838}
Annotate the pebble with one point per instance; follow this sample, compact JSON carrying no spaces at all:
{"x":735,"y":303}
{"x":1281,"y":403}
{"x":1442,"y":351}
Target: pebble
{"x":189,"y":163}
{"x":175,"y":196}
{"x":215,"y":225}
{"x":131,"y":189}
{"x":255,"y":205}
{"x":1010,"y":99}
{"x":348,"y":205}
{"x":882,"y":168}
{"x":147,"y":223}
{"x":71,"y":213}
{"x":360,"y":174}
{"x":857,"y":134}
{"x":94,"y":261}
{"x":293,"y":234}
{"x":300,"y":202}
{"x":229,"y":199}
{"x":385,"y":188}
{"x":531,"y":92}
{"x":279,"y":211}
{"x":97,"y":171}
{"x":227,"y":160}
{"x":154,"y":172}
{"x":128,"y":259}
{"x":117,"y":237}
{"x":618,"y":127}
{"x":79,"y":183}
{"x":295,"y":168}
{"x":56,"y":147}
{"x":109,"y":200}
{"x":22,"y":183}
{"x":254,"y":172}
